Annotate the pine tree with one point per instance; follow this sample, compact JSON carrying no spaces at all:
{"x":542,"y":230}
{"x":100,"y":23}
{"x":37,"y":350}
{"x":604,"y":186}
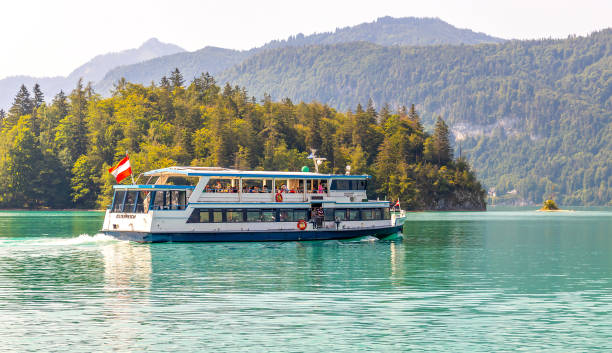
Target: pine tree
{"x":313,"y":137}
{"x":71,"y":133}
{"x":176,"y":78}
{"x":414,"y":117}
{"x":39,"y":97}
{"x":22,"y":105}
{"x":2,"y":115}
{"x":61,"y":103}
{"x":384,"y":115}
{"x":441,"y":141}
{"x":118,"y":86}
{"x":371,"y":112}
{"x":164,"y":82}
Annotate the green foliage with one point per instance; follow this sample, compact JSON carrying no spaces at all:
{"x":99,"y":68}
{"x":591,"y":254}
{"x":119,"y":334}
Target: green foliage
{"x":22,"y":105}
{"x":535,"y":115}
{"x":64,"y":163}
{"x":550,"y":205}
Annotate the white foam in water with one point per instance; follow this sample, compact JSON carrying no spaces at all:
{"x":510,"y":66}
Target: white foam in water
{"x":368,"y":238}
{"x":81,"y":239}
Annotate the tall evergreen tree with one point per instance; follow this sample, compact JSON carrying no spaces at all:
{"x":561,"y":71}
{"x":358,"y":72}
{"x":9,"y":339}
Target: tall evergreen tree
{"x":22,"y":105}
{"x":176,"y":78}
{"x":385,"y":114}
{"x":2,"y":115}
{"x":441,"y":140}
{"x":60,"y":101}
{"x":39,"y":97}
{"x":72,"y":130}
{"x":164,"y":82}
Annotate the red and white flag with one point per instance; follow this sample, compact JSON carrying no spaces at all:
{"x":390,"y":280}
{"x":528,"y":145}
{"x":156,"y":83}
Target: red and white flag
{"x":121,"y":170}
{"x":397,"y":203}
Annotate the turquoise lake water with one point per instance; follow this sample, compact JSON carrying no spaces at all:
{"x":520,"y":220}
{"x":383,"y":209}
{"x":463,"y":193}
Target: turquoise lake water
{"x":459,"y":281}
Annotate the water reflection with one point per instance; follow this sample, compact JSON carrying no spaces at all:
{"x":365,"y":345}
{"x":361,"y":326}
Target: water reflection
{"x":456,"y":281}
{"x":127,"y":283}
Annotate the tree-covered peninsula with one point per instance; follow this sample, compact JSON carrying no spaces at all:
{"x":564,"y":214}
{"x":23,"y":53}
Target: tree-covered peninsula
{"x":57,"y":155}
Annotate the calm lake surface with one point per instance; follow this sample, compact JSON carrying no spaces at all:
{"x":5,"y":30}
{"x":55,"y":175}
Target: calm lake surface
{"x":460,"y":281}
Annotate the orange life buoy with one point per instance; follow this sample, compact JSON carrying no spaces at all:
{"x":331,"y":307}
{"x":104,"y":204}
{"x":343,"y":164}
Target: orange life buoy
{"x":301,"y":224}
{"x":279,"y":197}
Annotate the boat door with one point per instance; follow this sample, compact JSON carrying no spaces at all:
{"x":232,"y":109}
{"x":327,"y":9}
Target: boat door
{"x":316,"y":215}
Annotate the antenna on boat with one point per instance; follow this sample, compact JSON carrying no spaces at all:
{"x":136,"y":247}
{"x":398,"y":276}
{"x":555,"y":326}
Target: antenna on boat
{"x":317,"y":160}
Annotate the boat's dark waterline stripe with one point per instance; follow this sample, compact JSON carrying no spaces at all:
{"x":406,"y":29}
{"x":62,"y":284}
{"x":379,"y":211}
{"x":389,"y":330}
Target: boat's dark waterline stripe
{"x":143,"y":237}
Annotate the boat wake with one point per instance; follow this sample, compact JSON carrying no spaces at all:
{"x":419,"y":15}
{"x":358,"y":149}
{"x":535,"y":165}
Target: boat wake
{"x":37,"y":242}
{"x":82,"y":239}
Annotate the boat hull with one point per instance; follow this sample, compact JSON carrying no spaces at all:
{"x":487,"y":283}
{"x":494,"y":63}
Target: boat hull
{"x":252,"y":236}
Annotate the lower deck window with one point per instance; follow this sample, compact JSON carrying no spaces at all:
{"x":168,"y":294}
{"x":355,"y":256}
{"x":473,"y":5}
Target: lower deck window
{"x":205,"y":215}
{"x":216,"y":216}
{"x":340,"y":214}
{"x":234,"y":216}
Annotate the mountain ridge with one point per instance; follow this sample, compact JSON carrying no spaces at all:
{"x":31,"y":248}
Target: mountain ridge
{"x":383,"y":31}
{"x":93,"y":70}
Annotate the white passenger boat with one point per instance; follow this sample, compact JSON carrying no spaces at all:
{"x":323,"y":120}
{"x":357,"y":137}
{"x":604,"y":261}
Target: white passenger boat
{"x":199,"y":204}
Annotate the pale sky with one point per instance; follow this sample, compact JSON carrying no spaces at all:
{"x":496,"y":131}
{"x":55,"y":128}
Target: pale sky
{"x":49,"y":38}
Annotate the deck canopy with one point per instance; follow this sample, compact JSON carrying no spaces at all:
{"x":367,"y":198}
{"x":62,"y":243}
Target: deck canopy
{"x":234,"y":173}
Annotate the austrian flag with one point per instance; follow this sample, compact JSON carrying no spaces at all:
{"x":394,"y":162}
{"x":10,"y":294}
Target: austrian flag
{"x":121,"y":170}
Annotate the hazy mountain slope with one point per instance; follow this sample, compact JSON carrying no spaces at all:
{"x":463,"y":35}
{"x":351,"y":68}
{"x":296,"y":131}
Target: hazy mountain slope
{"x":94,"y":70}
{"x":191,"y":64}
{"x":532,"y":111}
{"x":384,"y":31}
{"x":392,"y":31}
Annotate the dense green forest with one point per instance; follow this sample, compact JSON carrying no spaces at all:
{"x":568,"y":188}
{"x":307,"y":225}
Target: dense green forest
{"x":383,"y":31}
{"x":536,"y":115}
{"x":57,"y":155}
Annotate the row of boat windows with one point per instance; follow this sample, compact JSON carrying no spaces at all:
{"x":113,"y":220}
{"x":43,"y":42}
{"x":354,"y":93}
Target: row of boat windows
{"x":208,"y":215}
{"x":142,"y":201}
{"x":283,"y":185}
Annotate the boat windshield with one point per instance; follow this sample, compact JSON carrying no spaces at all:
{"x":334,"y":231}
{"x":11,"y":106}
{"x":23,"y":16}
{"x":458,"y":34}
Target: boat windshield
{"x":131,"y":201}
{"x":135,"y":201}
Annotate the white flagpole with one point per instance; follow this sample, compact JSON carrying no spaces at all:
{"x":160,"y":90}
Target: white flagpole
{"x":131,"y":174}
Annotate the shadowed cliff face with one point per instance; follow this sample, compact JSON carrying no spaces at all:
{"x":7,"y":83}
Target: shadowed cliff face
{"x":460,"y":200}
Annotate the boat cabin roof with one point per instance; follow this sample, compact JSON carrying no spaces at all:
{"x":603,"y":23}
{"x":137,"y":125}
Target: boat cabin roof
{"x":234,"y":173}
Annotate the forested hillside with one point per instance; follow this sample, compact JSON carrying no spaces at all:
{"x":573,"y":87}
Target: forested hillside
{"x":384,"y":31}
{"x":57,"y":155}
{"x":391,"y":31}
{"x":536,"y":115}
{"x":192,"y":64}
